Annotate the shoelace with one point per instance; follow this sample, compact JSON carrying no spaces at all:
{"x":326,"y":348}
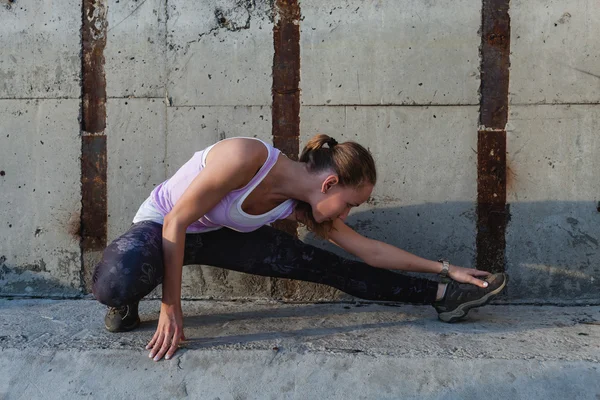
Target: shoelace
{"x":118,"y":310}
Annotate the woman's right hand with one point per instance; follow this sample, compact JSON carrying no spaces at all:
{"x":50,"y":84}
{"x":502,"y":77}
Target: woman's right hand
{"x":169,"y":332}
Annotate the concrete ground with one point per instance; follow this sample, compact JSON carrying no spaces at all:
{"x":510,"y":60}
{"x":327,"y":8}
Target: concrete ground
{"x":266,"y":350}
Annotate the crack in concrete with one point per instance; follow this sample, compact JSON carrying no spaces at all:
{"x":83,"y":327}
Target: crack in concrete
{"x":128,"y":16}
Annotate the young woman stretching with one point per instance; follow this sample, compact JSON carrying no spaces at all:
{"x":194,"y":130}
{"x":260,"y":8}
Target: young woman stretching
{"x":214,"y":211}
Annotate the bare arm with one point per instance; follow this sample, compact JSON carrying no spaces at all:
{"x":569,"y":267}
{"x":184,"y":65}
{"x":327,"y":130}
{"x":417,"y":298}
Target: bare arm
{"x":379,"y":254}
{"x":383,"y":255}
{"x":229,"y":165}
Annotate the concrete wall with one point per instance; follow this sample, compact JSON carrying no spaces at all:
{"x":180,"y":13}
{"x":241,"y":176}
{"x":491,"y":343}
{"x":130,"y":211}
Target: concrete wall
{"x":400,"y":77}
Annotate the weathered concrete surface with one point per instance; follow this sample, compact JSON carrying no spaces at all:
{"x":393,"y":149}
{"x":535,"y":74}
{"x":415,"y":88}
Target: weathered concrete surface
{"x":212,"y":63}
{"x":136,"y":49}
{"x":425,"y":159}
{"x":41,"y":202}
{"x":59,"y":349}
{"x":554,"y":51}
{"x":553,"y":239}
{"x":424,"y":200}
{"x":192,"y":129}
{"x":41,"y":43}
{"x":402,"y":52}
{"x":220,"y":52}
{"x":136,"y":131}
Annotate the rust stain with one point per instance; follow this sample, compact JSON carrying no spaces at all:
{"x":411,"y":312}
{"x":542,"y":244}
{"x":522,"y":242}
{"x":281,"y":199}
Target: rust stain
{"x":93,"y":33}
{"x":93,"y":219}
{"x":286,"y":90}
{"x":93,"y":189}
{"x":286,"y":107}
{"x":511,"y":177}
{"x":73,"y":225}
{"x":492,"y":210}
{"x":495,"y":62}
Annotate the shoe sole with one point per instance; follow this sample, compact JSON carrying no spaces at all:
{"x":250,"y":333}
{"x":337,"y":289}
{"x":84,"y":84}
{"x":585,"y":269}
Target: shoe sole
{"x":462,"y":310}
{"x":124,"y":328}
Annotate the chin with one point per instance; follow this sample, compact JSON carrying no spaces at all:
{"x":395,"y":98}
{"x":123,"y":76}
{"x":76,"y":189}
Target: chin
{"x":319,"y":218}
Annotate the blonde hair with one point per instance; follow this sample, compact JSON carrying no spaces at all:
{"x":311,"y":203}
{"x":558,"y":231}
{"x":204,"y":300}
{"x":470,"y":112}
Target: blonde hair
{"x":351,"y":162}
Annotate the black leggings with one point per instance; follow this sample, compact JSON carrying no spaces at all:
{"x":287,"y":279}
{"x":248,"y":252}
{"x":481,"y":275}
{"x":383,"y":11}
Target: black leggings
{"x":132,"y":265}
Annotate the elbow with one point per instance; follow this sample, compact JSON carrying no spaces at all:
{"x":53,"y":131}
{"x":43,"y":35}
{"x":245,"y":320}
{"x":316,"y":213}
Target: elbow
{"x":171,"y":222}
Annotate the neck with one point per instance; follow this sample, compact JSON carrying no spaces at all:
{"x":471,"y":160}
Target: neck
{"x":293,"y":181}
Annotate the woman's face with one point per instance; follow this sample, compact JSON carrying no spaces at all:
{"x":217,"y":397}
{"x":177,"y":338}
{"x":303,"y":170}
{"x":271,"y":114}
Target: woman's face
{"x":336,"y":200}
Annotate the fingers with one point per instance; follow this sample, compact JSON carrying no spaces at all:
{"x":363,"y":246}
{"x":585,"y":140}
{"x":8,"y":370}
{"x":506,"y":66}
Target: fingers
{"x":157,"y":344}
{"x":174,"y":345}
{"x":166,"y":344}
{"x":478,"y":282}
{"x":477,"y":272}
{"x":151,"y":343}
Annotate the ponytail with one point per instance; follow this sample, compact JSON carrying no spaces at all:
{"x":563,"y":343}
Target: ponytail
{"x":352,"y":163}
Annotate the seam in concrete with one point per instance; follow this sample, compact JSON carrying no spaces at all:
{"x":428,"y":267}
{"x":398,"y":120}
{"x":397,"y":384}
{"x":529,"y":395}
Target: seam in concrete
{"x":305,"y":104}
{"x":492,"y":210}
{"x":41,"y":98}
{"x":166,"y":99}
{"x":378,"y":105}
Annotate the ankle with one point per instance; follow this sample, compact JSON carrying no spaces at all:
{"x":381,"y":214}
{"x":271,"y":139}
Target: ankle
{"x":441,"y":291}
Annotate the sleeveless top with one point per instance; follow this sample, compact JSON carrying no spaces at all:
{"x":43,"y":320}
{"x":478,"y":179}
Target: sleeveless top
{"x":228,"y":212}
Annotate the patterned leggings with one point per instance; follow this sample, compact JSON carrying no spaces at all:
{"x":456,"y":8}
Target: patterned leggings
{"x":132,"y":265}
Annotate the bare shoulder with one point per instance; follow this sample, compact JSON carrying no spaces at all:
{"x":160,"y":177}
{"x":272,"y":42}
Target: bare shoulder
{"x":241,"y":151}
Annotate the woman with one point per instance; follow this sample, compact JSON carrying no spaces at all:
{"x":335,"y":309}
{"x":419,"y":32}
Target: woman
{"x":214,"y":211}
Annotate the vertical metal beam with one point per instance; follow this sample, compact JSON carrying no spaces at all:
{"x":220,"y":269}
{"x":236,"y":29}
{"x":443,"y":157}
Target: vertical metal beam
{"x":492,"y":210}
{"x":93,"y":140}
{"x":286,"y":82}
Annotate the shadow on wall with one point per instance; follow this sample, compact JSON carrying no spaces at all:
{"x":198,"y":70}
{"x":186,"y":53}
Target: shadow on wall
{"x":552,"y":248}
{"x":552,"y":251}
{"x":35,"y":280}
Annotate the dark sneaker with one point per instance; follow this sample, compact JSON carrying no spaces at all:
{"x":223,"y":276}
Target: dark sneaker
{"x":122,"y":319}
{"x":461,"y":297}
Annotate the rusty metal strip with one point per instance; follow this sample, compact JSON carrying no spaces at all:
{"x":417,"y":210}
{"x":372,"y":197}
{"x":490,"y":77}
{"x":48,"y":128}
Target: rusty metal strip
{"x":93,"y":189}
{"x":286,"y":108}
{"x":492,"y":210}
{"x":93,"y":34}
{"x":286,"y":82}
{"x":94,"y":212}
{"x":495,"y":60}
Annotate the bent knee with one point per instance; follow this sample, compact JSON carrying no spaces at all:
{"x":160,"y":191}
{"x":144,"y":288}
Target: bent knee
{"x":109,"y":288}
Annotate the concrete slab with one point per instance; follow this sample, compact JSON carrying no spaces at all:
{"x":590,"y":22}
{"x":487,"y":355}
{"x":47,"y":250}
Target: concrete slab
{"x":41,"y":202}
{"x":136,"y":145}
{"x":357,"y":52}
{"x":136,"y":49}
{"x":268,"y":350}
{"x":423,"y":154}
{"x":41,"y":46}
{"x":554,"y":51}
{"x":425,"y":198}
{"x":220,"y":52}
{"x":553,"y":238}
{"x":192,"y":129}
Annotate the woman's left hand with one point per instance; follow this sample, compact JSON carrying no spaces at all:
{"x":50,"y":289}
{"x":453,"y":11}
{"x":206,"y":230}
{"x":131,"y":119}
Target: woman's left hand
{"x":468,"y":275}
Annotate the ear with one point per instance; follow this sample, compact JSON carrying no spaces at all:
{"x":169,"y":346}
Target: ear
{"x":329,"y":182}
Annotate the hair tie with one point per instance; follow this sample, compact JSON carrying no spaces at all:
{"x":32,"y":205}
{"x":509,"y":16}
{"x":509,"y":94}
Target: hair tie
{"x":331,"y":142}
